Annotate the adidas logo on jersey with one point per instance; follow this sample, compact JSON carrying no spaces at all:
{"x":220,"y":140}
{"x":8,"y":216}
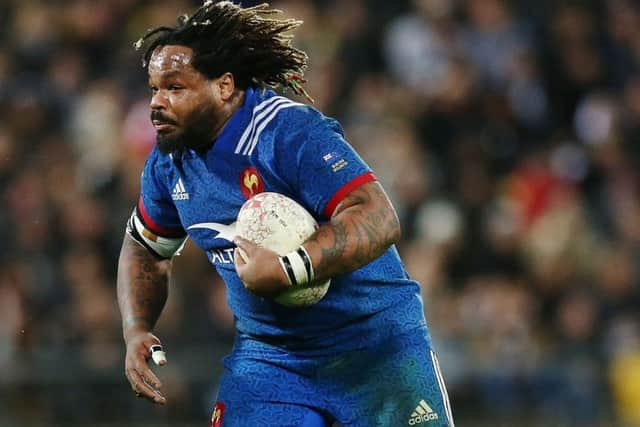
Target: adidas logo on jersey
{"x":179,"y":192}
{"x":422,"y":414}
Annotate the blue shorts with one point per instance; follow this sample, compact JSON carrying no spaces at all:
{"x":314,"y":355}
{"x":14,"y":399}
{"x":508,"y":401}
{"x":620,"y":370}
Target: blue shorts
{"x":394,"y":383}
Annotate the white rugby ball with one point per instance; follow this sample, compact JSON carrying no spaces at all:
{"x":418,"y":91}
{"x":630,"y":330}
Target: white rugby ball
{"x":276,"y":222}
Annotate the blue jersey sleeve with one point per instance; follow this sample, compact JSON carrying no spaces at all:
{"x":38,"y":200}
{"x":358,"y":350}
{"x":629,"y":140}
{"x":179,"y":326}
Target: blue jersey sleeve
{"x":319,"y":164}
{"x":155,"y":206}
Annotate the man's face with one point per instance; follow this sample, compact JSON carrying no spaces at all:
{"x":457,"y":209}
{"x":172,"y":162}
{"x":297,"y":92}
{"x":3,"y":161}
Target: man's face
{"x":185,"y":105}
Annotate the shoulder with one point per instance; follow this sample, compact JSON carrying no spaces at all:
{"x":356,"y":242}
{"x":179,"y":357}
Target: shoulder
{"x":305,"y":126}
{"x":271,"y":115}
{"x":302,"y":122}
{"x":277,"y":122}
{"x":285,"y":114}
{"x":157,"y":166}
{"x":304,"y":118}
{"x":156,"y":158}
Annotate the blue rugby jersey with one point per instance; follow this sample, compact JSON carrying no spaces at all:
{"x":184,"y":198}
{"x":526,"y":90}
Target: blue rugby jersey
{"x":274,"y":144}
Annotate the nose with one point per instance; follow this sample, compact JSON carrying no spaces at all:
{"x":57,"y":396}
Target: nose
{"x":158,"y":101}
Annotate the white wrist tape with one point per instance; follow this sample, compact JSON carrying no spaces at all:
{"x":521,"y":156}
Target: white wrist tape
{"x":297,"y":266}
{"x":299,"y":270}
{"x":307,"y":263}
{"x":286,"y":267}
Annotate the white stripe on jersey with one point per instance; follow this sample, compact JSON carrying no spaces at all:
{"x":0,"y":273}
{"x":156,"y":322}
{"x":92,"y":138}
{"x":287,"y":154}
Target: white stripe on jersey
{"x":254,"y":141}
{"x":442,"y":387}
{"x":269,"y":103}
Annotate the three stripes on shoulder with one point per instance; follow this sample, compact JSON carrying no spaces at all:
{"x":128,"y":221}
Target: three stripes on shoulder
{"x":262,"y":115}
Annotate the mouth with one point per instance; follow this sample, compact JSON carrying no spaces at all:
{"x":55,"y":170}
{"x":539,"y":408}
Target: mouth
{"x":161,"y":122}
{"x":163,"y":127}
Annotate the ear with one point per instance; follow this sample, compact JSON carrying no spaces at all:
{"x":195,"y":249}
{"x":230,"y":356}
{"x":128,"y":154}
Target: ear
{"x":226,"y":86}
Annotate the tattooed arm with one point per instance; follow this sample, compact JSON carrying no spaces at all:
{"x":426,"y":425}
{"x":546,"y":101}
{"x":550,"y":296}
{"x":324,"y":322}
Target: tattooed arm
{"x":362,"y":227}
{"x":142,"y":293}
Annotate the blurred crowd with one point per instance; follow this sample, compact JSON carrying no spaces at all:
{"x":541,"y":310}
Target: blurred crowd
{"x":506,"y":132}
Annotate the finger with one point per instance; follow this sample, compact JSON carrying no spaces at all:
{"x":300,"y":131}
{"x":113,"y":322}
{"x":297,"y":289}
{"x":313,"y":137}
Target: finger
{"x":131,"y":382}
{"x":247,"y":245}
{"x":147,"y":374}
{"x":145,"y":347}
{"x":240,"y":257}
{"x":136,"y":382}
{"x":150,"y":378}
{"x":142,"y":389}
{"x":139,"y":385}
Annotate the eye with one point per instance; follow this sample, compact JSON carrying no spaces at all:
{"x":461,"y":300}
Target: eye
{"x":175,"y":87}
{"x":153,"y":90}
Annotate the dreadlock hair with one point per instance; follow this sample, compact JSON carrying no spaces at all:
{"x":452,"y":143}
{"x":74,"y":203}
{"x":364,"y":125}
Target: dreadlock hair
{"x":247,"y":43}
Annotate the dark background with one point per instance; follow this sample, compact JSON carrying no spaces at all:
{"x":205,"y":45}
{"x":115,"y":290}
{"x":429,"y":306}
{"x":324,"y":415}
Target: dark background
{"x":506,"y":132}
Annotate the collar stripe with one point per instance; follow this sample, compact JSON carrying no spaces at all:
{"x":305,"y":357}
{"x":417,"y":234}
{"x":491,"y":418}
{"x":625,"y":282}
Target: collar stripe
{"x":254,"y":140}
{"x":255,"y":116}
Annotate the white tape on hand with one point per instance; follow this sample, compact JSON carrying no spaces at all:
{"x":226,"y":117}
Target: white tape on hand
{"x":159,"y":357}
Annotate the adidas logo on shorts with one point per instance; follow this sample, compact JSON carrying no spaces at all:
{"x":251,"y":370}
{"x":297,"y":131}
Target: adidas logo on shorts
{"x":422,"y":414}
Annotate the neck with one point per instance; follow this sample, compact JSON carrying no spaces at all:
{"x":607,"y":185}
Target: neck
{"x":235,"y":102}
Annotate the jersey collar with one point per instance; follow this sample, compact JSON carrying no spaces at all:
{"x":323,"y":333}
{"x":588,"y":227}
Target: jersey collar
{"x":232,"y":132}
{"x":238,"y":122}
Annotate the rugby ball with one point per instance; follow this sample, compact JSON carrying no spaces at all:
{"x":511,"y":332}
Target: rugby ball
{"x":276,"y":222}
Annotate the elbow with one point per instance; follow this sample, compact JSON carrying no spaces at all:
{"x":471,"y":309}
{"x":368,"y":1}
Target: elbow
{"x":395,"y":230}
{"x":389,"y":230}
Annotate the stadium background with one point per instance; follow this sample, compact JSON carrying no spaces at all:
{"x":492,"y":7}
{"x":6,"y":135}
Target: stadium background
{"x":506,"y":132}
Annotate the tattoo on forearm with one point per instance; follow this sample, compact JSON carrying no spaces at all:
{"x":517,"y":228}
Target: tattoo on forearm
{"x":142,"y":285}
{"x":364,"y":228}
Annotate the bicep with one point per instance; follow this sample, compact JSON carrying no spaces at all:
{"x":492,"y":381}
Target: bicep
{"x":362,"y":227}
{"x":320,"y":167}
{"x":135,"y":255}
{"x":370,"y":195}
{"x":370,"y":208}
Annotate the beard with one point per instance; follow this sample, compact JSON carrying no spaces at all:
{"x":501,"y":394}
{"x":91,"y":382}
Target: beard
{"x":178,"y":140}
{"x":197,"y":133}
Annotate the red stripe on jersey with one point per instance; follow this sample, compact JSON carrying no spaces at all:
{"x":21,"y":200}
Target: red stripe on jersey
{"x":157,"y":229}
{"x":346,"y":189}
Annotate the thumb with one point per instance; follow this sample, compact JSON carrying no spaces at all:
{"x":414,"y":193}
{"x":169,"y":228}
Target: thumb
{"x":244,"y":244}
{"x":244,"y":249}
{"x":240,"y":257}
{"x":158,"y":355}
